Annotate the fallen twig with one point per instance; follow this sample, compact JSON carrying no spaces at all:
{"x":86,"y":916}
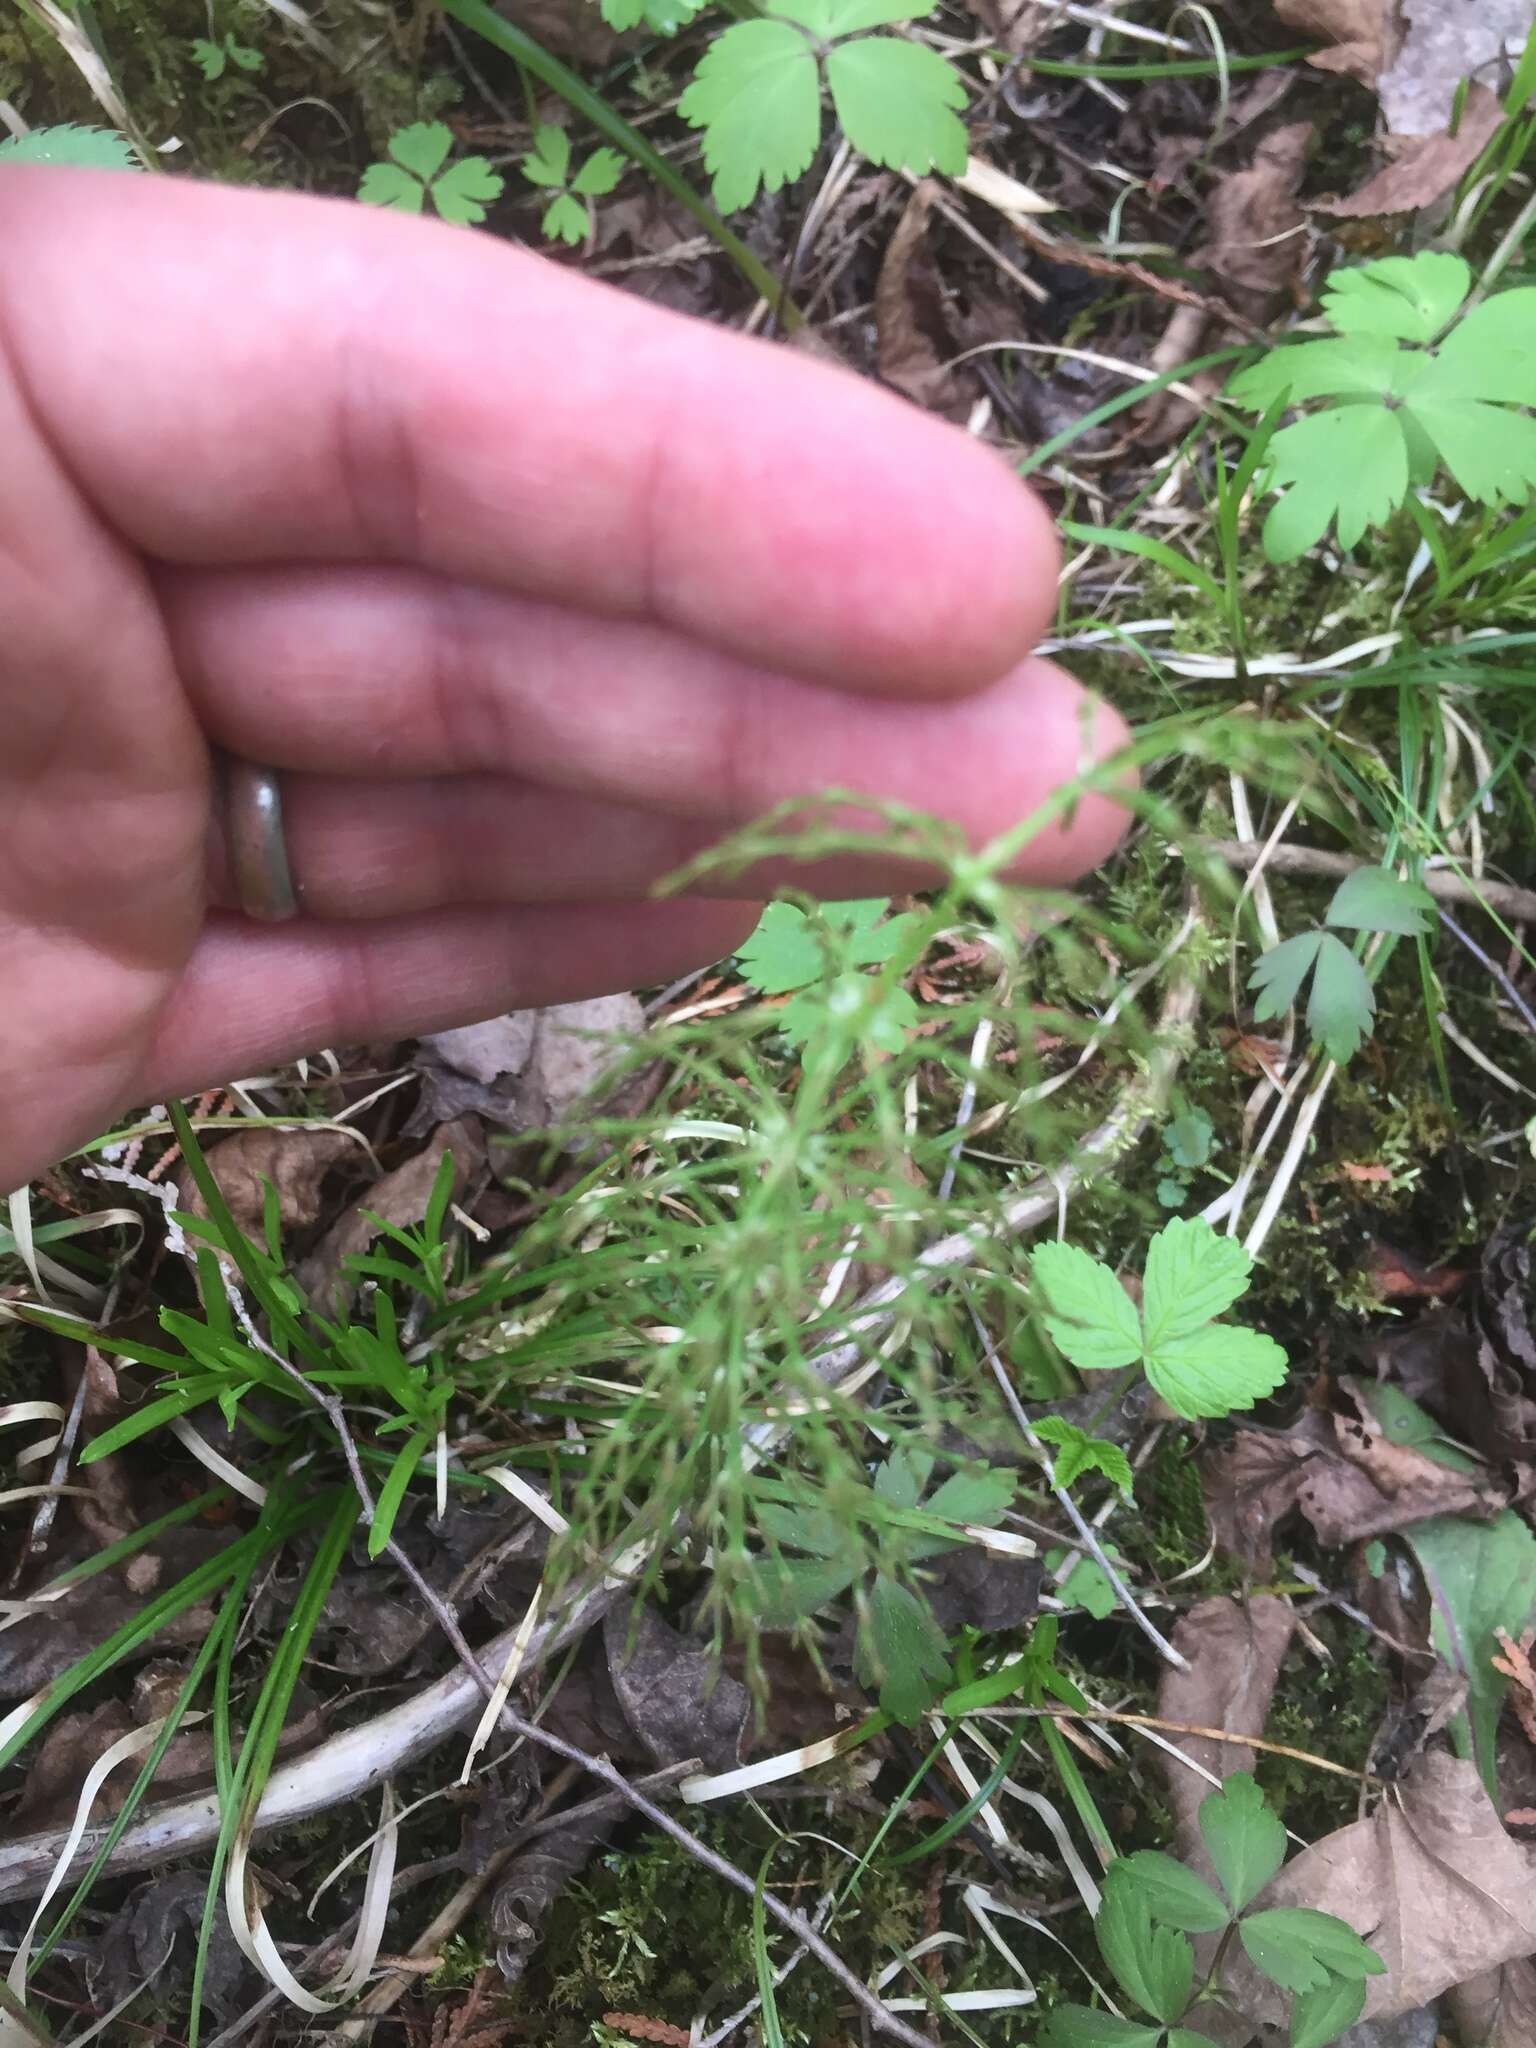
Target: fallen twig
{"x":1447,"y":887}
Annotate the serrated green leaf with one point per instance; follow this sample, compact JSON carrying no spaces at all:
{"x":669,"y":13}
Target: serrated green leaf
{"x":757,"y":96}
{"x":901,"y":1479}
{"x":1300,"y":1949}
{"x":1090,"y":1317}
{"x":465,"y":189}
{"x":1277,"y":977}
{"x":976,"y":1499}
{"x":812,"y":1529}
{"x":1376,"y":900}
{"x":1175,"y":1895}
{"x":1154,"y":1966}
{"x":1408,"y":297}
{"x":90,"y":149}
{"x":1342,"y":1007}
{"x":1244,"y":1839}
{"x":784,"y":1591}
{"x":1079,"y":1453}
{"x":1347,"y":466}
{"x":389,"y":185}
{"x":210,"y":58}
{"x":666,"y":17}
{"x":599,"y":175}
{"x":422,"y":148}
{"x":897,"y":103}
{"x":1493,"y":350}
{"x":1481,"y":1577}
{"x":1489,"y":450}
{"x":782,"y":953}
{"x":1364,"y":366}
{"x":243,"y":55}
{"x":905,"y":1652}
{"x":1216,"y":1370}
{"x":1171,"y":1193}
{"x":1193,"y":1274}
{"x":549,"y":160}
{"x":1086,"y":1585}
{"x":566,"y":219}
{"x":1078,"y":2026}
{"x":1322,"y":2014}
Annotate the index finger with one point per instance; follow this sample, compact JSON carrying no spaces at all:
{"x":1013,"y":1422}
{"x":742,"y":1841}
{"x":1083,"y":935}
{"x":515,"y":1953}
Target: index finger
{"x":235,"y":377}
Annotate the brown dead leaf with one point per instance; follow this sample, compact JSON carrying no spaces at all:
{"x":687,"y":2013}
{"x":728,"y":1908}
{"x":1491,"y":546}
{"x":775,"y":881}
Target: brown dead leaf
{"x":1258,"y":240}
{"x":525,"y":1070}
{"x":1423,"y":168}
{"x":1235,"y":1649}
{"x":1343,"y":1472}
{"x":909,"y":310}
{"x":1445,"y":41}
{"x":1515,"y":1664}
{"x":1497,"y":2009}
{"x":1397,"y":1277}
{"x":1359,"y":33}
{"x":673,"y":1692}
{"x":400,"y":1197}
{"x":1017,"y":24}
{"x":295,"y":1161}
{"x":1431,"y":1880}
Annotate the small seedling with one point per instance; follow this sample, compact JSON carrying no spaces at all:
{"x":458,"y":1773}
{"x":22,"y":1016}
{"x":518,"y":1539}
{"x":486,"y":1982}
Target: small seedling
{"x":1079,"y":1452}
{"x":1397,"y":414}
{"x":1151,"y":1905}
{"x":1189,"y":1140}
{"x":1086,"y":1584}
{"x":815,"y":960}
{"x":1193,"y":1275}
{"x":664,"y":17}
{"x":419,"y":170}
{"x":213,"y":59}
{"x":1342,"y":1006}
{"x":901,"y":1649}
{"x":568,"y":216}
{"x":757,"y":96}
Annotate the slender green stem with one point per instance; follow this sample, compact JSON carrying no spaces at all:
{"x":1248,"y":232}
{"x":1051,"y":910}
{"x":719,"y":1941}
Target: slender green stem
{"x":518,"y":44}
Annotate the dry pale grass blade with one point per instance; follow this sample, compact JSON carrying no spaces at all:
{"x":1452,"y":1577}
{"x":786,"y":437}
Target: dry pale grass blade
{"x":215,"y":1462}
{"x":12,"y":2029}
{"x":72,"y":39}
{"x":486,"y":1726}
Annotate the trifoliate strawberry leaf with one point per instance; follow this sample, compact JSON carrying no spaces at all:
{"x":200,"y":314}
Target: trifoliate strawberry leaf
{"x":1193,"y":1275}
{"x":1091,"y":1319}
{"x":897,"y":102}
{"x":1376,"y":900}
{"x":465,"y":189}
{"x":1078,"y":1453}
{"x":549,"y":160}
{"x":1244,"y":1839}
{"x":757,"y":96}
{"x":902,"y":1477}
{"x":91,"y":149}
{"x":1319,"y":2016}
{"x":566,"y":220}
{"x":599,"y":175}
{"x":1215,"y":1370}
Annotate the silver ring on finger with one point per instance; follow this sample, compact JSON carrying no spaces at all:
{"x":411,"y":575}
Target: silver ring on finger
{"x":250,"y":800}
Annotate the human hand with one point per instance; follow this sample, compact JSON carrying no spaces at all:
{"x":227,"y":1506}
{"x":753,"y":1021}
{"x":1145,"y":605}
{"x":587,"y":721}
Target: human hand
{"x":530,"y":590}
